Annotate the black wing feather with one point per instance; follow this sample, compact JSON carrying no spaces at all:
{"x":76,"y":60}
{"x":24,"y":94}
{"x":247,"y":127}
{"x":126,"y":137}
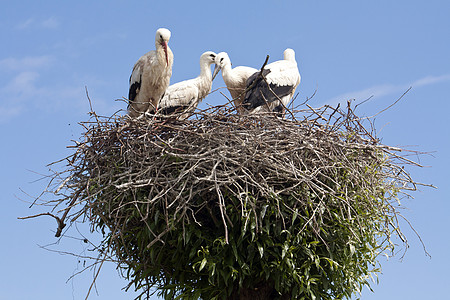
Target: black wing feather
{"x":134,"y":89}
{"x":258,"y":91}
{"x":174,"y":109}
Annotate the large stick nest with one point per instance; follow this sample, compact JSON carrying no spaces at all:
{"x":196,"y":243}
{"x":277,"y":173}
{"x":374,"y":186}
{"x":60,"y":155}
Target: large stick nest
{"x":172,"y":196}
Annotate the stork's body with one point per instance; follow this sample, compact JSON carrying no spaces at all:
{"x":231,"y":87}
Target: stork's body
{"x":151,"y":76}
{"x":184,"y":96}
{"x":282,"y":79}
{"x":234,"y":78}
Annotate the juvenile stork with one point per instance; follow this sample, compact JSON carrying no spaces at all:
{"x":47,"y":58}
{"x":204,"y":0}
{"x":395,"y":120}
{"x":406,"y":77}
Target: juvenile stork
{"x":234,"y":78}
{"x":184,"y":96}
{"x":151,"y":76}
{"x":281,"y":79}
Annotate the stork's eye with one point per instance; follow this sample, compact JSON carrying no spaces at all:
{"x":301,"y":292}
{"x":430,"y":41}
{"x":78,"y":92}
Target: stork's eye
{"x":221,"y":59}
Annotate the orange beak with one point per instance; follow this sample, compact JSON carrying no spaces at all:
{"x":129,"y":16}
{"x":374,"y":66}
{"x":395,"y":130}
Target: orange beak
{"x":164,"y":45}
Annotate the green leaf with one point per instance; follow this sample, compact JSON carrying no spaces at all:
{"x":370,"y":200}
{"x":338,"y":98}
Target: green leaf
{"x":352,"y":249}
{"x":260,"y":249}
{"x":203,"y":264}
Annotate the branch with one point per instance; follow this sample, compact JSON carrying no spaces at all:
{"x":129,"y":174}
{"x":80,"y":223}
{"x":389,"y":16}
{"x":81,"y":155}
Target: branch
{"x":60,"y":222}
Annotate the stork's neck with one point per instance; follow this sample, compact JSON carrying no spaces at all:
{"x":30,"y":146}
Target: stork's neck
{"x":161,"y":55}
{"x":230,"y":76}
{"x":227,"y":71}
{"x":289,"y":57}
{"x":205,"y":71}
{"x":204,"y":80}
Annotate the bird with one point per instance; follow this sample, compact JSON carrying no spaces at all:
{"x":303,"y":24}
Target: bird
{"x":151,"y":76}
{"x":282,"y":79}
{"x":183,"y":97}
{"x":234,"y":78}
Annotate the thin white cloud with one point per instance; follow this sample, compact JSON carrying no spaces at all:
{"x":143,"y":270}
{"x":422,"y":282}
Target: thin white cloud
{"x":387,"y":89}
{"x":49,"y":23}
{"x":24,"y":87}
{"x":11,"y":95}
{"x":26,"y":63}
{"x":26,"y":92}
{"x":8,"y":113}
{"x":29,"y":84}
{"x":25,"y":24}
{"x":430,"y":80}
{"x":23,"y":79}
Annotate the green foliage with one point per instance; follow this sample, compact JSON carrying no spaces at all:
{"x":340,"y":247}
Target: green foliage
{"x":274,"y":242}
{"x":224,"y":207}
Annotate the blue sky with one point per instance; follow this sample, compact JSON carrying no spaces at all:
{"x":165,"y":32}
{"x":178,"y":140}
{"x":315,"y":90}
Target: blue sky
{"x":52,"y":50}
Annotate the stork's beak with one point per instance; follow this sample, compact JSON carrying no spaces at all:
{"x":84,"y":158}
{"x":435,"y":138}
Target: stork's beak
{"x":164,"y":45}
{"x":216,"y":70}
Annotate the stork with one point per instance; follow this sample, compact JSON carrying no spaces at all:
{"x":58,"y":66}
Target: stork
{"x":184,"y":96}
{"x":234,"y":78}
{"x":281,"y":79}
{"x":151,"y":76}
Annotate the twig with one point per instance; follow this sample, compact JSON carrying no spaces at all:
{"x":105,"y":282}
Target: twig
{"x":155,"y":177}
{"x":60,"y":222}
{"x":383,"y":110}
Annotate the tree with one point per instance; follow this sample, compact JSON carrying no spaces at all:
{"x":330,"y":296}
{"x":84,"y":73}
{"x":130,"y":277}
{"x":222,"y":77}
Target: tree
{"x":222,"y":206}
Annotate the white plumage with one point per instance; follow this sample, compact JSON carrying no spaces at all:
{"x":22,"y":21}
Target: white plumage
{"x":184,"y":96}
{"x":151,"y":76}
{"x":234,"y":78}
{"x":282,"y":79}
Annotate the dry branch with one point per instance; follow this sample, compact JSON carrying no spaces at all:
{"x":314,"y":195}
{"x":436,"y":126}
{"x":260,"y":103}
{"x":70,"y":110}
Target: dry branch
{"x":151,"y":182}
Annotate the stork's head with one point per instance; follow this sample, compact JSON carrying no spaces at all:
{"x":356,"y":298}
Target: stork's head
{"x":289,"y":54}
{"x":161,"y":40}
{"x":207,"y":59}
{"x":222,"y":60}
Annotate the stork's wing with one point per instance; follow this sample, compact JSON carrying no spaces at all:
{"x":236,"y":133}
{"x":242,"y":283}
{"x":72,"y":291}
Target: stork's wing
{"x":283,"y":73}
{"x":136,"y":79}
{"x":282,"y":78}
{"x":179,"y":96}
{"x":244,"y":72}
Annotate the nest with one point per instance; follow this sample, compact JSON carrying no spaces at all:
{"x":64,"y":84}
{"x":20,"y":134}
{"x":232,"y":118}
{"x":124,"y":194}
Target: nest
{"x":221,"y":205}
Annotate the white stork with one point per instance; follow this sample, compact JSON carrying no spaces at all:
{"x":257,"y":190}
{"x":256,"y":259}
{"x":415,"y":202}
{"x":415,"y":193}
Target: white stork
{"x":151,"y":76}
{"x":234,"y":78}
{"x":184,"y":96}
{"x":282,"y":79}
